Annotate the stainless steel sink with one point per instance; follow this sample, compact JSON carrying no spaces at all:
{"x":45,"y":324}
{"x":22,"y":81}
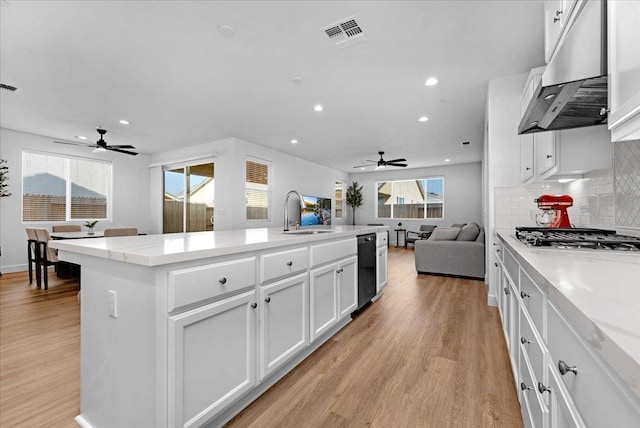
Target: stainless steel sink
{"x":307,"y":232}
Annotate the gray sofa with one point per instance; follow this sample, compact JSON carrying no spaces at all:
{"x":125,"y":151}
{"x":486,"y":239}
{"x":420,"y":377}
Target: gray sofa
{"x":457,"y":251}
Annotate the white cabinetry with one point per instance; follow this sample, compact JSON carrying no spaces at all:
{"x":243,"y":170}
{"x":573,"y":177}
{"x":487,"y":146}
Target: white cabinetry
{"x":624,"y":69}
{"x":557,"y":19}
{"x":211,"y":358}
{"x":348,"y":286}
{"x":381,"y":265}
{"x":284,"y":328}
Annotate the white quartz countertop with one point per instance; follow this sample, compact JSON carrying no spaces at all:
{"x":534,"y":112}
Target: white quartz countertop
{"x":155,"y":250}
{"x":598,"y":293}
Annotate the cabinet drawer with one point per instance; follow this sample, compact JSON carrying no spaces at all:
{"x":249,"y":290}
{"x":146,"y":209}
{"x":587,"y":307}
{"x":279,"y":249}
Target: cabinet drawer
{"x":530,"y":398}
{"x":512,"y":267}
{"x":533,"y":300}
{"x":198,"y":283}
{"x":323,"y":253}
{"x":382,"y":239}
{"x":599,"y":398}
{"x":532,"y":346}
{"x":283,"y":263}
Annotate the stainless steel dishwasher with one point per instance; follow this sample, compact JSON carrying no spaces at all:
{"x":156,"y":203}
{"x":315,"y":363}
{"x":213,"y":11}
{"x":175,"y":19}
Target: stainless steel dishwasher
{"x":366,"y":268}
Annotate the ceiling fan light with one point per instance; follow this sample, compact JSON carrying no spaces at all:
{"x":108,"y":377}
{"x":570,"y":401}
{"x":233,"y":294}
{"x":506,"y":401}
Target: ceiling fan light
{"x":99,"y":149}
{"x":423,"y":119}
{"x":81,"y":137}
{"x":431,"y":81}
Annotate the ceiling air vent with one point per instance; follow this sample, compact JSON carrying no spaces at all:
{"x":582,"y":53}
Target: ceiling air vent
{"x":345,"y":33}
{"x":8,"y":88}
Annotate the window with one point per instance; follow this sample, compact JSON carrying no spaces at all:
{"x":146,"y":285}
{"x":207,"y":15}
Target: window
{"x":62,"y":188}
{"x":425,"y":196}
{"x":339,"y":199}
{"x":188,"y":197}
{"x":257,"y":190}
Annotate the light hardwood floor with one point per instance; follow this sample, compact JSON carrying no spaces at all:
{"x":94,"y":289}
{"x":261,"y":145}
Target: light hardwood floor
{"x":430,"y":353}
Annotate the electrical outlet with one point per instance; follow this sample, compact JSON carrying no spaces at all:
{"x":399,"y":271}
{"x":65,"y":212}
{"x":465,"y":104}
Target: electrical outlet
{"x":113,"y":304}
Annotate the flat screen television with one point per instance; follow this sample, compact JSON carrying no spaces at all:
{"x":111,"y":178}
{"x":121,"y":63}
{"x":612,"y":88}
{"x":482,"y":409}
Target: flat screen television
{"x":317,"y":211}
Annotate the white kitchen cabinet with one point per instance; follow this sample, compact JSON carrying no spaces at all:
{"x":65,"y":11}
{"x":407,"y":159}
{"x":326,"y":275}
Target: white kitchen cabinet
{"x":348,"y":286}
{"x":284,"y":328}
{"x":557,"y":20}
{"x":527,"y":141}
{"x":534,"y":411}
{"x":211,"y":358}
{"x":624,"y":69}
{"x":323,"y":299}
{"x":381,"y":268}
{"x":562,"y":412}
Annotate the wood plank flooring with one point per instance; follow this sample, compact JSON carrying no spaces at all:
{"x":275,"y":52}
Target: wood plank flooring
{"x":430,"y":353}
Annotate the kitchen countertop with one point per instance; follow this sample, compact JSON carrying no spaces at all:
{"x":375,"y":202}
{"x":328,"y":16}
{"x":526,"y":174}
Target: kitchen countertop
{"x":598,"y":293}
{"x":155,"y":250}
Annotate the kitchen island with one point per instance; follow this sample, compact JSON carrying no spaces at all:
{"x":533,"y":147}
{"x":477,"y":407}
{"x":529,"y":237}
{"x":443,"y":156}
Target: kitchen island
{"x":571,"y":320}
{"x":187,"y":329}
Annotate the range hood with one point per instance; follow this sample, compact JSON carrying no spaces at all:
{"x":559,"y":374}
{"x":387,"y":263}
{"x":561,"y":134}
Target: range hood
{"x":573,"y":90}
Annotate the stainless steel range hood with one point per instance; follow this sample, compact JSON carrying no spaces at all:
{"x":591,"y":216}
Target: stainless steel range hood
{"x":573,"y":90}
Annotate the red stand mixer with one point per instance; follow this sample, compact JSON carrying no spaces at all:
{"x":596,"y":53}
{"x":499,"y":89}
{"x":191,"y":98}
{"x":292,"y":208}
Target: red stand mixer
{"x":554,"y":209}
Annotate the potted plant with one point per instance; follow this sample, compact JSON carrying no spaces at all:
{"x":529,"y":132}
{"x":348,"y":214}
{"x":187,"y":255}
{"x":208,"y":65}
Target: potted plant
{"x":4,"y":177}
{"x":90,"y":225}
{"x":354,"y":198}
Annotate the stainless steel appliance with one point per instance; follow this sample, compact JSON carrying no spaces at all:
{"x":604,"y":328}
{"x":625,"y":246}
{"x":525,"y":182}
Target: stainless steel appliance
{"x":577,"y":238}
{"x":366,"y":268}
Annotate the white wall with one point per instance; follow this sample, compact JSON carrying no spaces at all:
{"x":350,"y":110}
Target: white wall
{"x":130,"y":187}
{"x":462,"y":195}
{"x":288,"y":173}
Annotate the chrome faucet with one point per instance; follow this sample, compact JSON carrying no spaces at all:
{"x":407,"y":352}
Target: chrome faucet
{"x":286,"y":207}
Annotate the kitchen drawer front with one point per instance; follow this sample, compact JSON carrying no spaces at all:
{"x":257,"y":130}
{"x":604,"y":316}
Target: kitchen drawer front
{"x":283,"y":263}
{"x":596,"y":394}
{"x":532,"y":346}
{"x":512,"y":267}
{"x":561,"y":409}
{"x":324,"y":253}
{"x":382,"y":239}
{"x":191,"y":285}
{"x":531,"y":403}
{"x":534,"y":300}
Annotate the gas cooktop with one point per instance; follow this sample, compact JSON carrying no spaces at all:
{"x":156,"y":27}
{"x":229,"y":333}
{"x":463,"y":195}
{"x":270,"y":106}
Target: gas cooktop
{"x":577,"y":238}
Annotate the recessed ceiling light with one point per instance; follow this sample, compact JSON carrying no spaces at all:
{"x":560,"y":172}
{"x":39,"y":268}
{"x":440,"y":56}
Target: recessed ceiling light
{"x":447,"y":160}
{"x":294,"y":141}
{"x":81,"y":137}
{"x":318,"y":107}
{"x":423,"y":119}
{"x":226,"y":31}
{"x":124,"y":122}
{"x":297,"y":80}
{"x":431,"y":81}
{"x":362,"y":168}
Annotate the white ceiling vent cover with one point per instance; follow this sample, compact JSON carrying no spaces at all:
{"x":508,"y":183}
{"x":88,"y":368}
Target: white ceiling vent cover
{"x":345,"y":33}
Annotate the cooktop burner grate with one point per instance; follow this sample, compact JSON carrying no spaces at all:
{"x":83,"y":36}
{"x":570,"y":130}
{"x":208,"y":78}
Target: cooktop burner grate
{"x":577,"y":238}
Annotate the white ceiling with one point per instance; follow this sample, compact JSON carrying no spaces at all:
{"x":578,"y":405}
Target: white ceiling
{"x":164,"y":66}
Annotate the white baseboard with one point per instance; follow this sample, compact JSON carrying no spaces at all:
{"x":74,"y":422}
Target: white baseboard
{"x":14,"y":268}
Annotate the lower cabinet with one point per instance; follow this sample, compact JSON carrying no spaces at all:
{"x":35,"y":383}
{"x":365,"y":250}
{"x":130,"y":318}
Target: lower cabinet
{"x":211,"y":358}
{"x":563,"y":413}
{"x":381,"y":269}
{"x":348,"y":286}
{"x":284,"y":328}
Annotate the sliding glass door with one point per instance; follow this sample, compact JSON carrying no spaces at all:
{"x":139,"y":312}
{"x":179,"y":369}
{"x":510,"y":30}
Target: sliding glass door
{"x":188,"y":198}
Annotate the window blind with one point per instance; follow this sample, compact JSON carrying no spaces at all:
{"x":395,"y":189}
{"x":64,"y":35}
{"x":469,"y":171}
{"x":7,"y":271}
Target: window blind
{"x":257,"y":190}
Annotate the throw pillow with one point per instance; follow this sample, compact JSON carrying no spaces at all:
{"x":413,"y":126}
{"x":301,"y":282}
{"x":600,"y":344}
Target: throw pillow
{"x":480,"y":237}
{"x":469,"y":232}
{"x":444,"y":234}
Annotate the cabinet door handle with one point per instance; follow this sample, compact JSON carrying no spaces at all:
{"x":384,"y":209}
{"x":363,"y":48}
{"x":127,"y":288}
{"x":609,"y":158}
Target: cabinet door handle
{"x":558,"y":12}
{"x":524,"y":387}
{"x":543,"y":388}
{"x":528,"y":168}
{"x":498,"y":250}
{"x":506,"y":291}
{"x":222,"y":280}
{"x":524,"y":340}
{"x":340,"y":270}
{"x":495,"y":263}
{"x":549,"y":156}
{"x":289,"y":263}
{"x":565,"y":368}
{"x":254,"y":305}
{"x":268,"y":299}
{"x":523,"y":294}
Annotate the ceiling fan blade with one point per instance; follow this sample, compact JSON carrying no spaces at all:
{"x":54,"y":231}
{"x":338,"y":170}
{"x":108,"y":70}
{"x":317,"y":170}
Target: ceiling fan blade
{"x":111,"y":148}
{"x":74,"y":143}
{"x":396,"y":164}
{"x":396,"y":160}
{"x":121,"y":146}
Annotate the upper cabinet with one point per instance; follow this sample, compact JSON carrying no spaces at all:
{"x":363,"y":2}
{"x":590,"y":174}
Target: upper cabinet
{"x":527,"y":141}
{"x":624,"y":69}
{"x":557,"y":14}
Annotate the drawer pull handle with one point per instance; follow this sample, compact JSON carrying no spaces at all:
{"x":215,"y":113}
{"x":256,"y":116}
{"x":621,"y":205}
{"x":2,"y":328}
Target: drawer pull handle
{"x":254,"y":305}
{"x":498,"y":250}
{"x":543,"y":388}
{"x":524,"y":340}
{"x":495,"y":263}
{"x":524,"y":295}
{"x":565,"y":368}
{"x":268,"y":299}
{"x":524,"y":387}
{"x":289,"y":263}
{"x":506,"y":291}
{"x":494,"y":244}
{"x":549,"y":156}
{"x":339,"y":271}
{"x":556,"y":20}
{"x":222,"y":280}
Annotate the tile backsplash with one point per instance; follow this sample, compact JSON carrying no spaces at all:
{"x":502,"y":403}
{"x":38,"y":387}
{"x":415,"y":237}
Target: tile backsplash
{"x":608,"y":198}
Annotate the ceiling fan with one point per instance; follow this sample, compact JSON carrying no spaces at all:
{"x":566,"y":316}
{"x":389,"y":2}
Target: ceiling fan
{"x":101,"y":145}
{"x":382,"y":163}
